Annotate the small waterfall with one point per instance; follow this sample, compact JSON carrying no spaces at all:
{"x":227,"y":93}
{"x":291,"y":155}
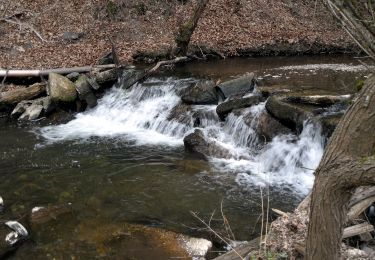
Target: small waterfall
{"x":152,"y":113}
{"x":242,"y":132}
{"x":140,"y":114}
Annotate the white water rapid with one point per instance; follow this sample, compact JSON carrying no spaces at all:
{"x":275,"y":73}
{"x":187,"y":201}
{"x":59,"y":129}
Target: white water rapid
{"x":144,"y":115}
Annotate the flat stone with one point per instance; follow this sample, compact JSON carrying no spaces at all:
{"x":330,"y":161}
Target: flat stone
{"x":225,"y":108}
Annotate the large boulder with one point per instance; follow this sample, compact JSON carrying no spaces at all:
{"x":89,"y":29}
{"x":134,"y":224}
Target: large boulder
{"x":85,"y":92}
{"x":197,"y":143}
{"x":268,"y":127}
{"x":293,"y":110}
{"x":290,"y":115}
{"x":238,"y":86}
{"x":202,"y":93}
{"x":225,"y":108}
{"x":130,"y":76}
{"x":60,"y":88}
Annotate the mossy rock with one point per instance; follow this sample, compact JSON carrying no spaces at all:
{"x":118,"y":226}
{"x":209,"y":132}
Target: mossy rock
{"x":61,"y":89}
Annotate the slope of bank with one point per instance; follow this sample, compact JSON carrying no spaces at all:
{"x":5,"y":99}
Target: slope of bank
{"x":44,"y":34}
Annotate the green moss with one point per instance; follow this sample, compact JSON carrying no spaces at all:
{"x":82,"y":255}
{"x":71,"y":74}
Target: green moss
{"x":140,"y":8}
{"x":111,"y":9}
{"x":359,"y":84}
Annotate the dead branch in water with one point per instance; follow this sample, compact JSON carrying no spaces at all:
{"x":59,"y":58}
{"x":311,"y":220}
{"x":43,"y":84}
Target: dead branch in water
{"x":149,"y":72}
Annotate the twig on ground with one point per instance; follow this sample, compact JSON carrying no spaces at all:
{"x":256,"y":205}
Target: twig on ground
{"x":26,"y":25}
{"x":215,"y":233}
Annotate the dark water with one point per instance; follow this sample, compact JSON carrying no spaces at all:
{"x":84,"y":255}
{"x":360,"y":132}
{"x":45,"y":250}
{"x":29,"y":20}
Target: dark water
{"x":111,"y":181}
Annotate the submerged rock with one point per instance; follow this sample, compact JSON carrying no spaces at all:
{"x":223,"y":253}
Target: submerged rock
{"x":60,"y":88}
{"x":225,"y":108}
{"x":238,"y":86}
{"x":202,"y":93}
{"x":1,"y":204}
{"x":131,"y":240}
{"x":196,"y":142}
{"x":60,"y":117}
{"x":41,"y":215}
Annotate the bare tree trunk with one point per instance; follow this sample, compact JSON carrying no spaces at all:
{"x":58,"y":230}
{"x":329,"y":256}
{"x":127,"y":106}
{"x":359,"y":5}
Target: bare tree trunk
{"x":348,"y":162}
{"x":186,"y":30}
{"x":349,"y":159}
{"x":358,"y":20}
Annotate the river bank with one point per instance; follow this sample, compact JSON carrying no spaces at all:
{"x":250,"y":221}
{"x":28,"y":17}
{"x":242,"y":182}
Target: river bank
{"x":50,"y":34}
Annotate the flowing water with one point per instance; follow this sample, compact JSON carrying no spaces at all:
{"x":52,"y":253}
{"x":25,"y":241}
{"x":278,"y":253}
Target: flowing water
{"x":124,"y":160}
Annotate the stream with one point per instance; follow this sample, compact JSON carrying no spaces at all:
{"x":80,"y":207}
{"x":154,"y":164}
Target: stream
{"x":124,"y":161}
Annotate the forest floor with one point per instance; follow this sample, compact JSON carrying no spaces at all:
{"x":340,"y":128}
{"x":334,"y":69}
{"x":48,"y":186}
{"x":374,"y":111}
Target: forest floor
{"x":41,"y":34}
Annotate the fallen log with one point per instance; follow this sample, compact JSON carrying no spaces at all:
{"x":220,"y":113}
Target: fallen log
{"x":17,"y":95}
{"x":359,"y":208}
{"x":38,"y":73}
{"x":362,"y":198}
{"x":360,"y":229}
{"x":357,"y":230}
{"x":362,"y":193}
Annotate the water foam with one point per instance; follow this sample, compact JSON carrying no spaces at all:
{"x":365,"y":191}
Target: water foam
{"x":334,"y":67}
{"x":139,"y":114}
{"x":142,"y":114}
